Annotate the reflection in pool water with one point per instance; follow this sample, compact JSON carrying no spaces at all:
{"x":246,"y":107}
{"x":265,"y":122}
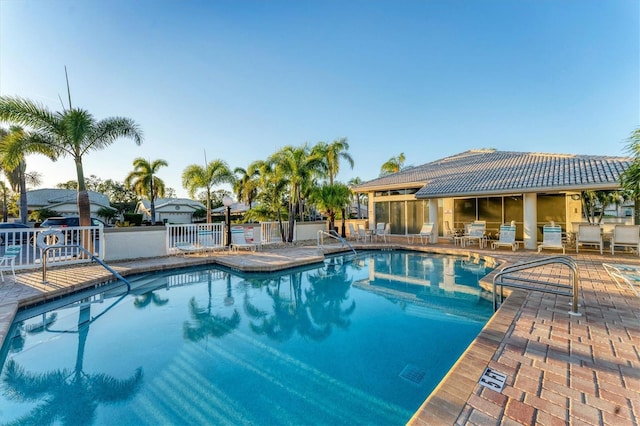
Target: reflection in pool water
{"x":353,"y":340}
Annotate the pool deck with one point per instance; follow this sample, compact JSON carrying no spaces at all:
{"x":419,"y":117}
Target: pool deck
{"x":561,"y":369}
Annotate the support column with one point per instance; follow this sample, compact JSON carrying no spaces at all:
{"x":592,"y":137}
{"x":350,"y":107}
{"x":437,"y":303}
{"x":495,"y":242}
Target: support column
{"x":433,"y":217}
{"x":530,"y":218}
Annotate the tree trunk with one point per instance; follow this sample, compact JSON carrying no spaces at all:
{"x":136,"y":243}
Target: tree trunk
{"x":24,"y":208}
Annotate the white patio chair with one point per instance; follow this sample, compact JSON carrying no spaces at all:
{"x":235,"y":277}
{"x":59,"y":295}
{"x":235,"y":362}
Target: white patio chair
{"x":353,"y":235}
{"x":238,"y":241}
{"x":589,"y":235}
{"x":8,"y":260}
{"x":626,"y":236}
{"x":507,"y":238}
{"x":476,"y":234}
{"x":425,"y":234}
{"x":552,"y":238}
{"x":382,"y":230}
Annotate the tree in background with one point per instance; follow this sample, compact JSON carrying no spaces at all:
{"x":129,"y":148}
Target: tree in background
{"x":14,"y":144}
{"x":356,"y":195}
{"x":332,"y":199}
{"x":630,"y":178}
{"x":296,"y":166}
{"x":71,"y":132}
{"x":332,"y":153}
{"x":145,"y":183}
{"x":392,"y":165}
{"x":246,"y":184}
{"x":196,"y":177}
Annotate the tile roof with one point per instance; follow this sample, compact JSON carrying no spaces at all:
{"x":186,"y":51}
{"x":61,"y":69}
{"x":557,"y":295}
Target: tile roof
{"x":487,"y":171}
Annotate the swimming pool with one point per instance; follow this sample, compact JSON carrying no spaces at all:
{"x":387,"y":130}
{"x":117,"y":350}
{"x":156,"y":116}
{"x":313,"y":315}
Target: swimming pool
{"x":355,"y":340}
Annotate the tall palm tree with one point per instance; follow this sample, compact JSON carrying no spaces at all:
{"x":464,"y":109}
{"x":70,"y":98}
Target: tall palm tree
{"x":392,"y":165}
{"x":71,"y":132}
{"x":355,"y":182}
{"x":297,"y":165}
{"x":630,"y":179}
{"x":332,"y":154}
{"x":145,"y":183}
{"x":14,"y":144}
{"x":195,"y":177}
{"x":246,"y":185}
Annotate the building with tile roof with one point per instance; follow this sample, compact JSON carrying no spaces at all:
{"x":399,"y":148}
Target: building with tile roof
{"x":171,"y":210}
{"x":65,"y":201}
{"x":496,"y":186}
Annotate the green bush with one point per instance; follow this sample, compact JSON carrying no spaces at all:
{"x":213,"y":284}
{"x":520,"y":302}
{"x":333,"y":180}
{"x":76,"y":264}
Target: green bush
{"x":133,"y":218}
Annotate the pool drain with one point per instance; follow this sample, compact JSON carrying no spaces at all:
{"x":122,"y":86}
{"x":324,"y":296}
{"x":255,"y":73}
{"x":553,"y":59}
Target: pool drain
{"x":413,"y":373}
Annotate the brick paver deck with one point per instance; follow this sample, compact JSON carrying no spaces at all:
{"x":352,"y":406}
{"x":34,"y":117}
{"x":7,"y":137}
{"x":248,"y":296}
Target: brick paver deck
{"x":561,"y":369}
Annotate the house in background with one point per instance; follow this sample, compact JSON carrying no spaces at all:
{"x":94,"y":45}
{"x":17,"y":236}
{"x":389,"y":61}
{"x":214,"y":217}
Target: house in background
{"x":65,"y":201}
{"x":497,"y":187}
{"x":170,"y":210}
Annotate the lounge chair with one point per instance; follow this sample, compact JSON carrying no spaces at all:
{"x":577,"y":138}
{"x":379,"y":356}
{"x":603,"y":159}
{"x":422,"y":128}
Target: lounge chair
{"x":476,"y":234}
{"x":551,"y":238}
{"x":8,"y":260}
{"x":238,"y":241}
{"x":507,"y":238}
{"x":589,"y":235}
{"x":425,"y":234}
{"x":184,"y":248}
{"x":626,"y":236}
{"x":629,"y":274}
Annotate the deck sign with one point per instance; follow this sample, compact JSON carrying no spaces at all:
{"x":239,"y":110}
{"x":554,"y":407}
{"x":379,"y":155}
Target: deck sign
{"x":492,"y":379}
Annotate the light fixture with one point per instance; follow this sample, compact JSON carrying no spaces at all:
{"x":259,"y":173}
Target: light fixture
{"x":227,"y":201}
{"x":575,"y":197}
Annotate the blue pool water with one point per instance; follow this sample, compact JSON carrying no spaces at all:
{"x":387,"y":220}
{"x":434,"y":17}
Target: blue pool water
{"x":359,"y":340}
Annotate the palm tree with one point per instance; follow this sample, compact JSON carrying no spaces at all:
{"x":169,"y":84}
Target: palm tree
{"x":214,"y":173}
{"x":145,"y":183}
{"x":355,"y":182}
{"x":630,"y":178}
{"x":296,"y":165}
{"x":332,"y":154}
{"x":14,"y":144}
{"x":71,"y":132}
{"x":332,"y":199}
{"x":392,"y":165}
{"x":246,"y":185}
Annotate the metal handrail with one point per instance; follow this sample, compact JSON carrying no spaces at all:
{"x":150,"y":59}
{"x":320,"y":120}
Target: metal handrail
{"x":524,"y":283}
{"x":87,"y":252}
{"x":335,"y":235}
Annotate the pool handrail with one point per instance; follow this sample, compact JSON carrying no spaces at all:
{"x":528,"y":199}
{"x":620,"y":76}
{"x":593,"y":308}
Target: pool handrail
{"x":522,"y":283}
{"x":333,"y":234}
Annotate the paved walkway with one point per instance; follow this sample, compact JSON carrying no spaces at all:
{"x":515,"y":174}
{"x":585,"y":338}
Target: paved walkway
{"x":560,"y":369}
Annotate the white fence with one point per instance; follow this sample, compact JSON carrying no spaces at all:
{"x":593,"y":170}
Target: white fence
{"x":68,"y":239}
{"x":193,"y":237}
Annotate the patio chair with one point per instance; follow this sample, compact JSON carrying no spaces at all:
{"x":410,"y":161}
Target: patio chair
{"x":382,"y":230}
{"x":8,"y":260}
{"x":507,"y":238}
{"x":425,"y":234}
{"x":238,"y":241}
{"x":362,"y":233}
{"x":476,"y":234}
{"x":551,"y":238}
{"x":589,"y":235}
{"x":626,"y":236}
{"x":353,"y":235}
{"x":627,"y":274}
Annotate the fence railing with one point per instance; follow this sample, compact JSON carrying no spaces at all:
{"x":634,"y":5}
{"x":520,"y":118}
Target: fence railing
{"x":270,"y":232}
{"x":68,"y":238}
{"x":193,"y":237}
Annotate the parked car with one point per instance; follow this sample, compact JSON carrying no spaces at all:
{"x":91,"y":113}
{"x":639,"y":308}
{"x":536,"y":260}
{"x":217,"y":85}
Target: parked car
{"x":13,"y":229}
{"x":64,"y":221}
{"x":71,"y":221}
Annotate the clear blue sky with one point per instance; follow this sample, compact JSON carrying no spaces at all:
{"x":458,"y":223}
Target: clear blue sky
{"x":242,"y":79}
